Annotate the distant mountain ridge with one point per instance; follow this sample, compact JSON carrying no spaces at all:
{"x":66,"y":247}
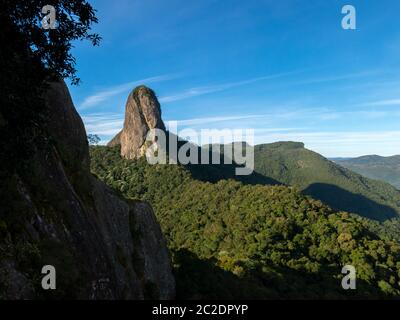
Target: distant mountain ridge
{"x":375,"y":167}
{"x":290,"y":163}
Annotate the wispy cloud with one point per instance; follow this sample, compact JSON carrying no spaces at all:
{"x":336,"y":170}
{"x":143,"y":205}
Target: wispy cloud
{"x":207,"y":120}
{"x":330,"y":114}
{"x":339,"y":136}
{"x":107,"y":93}
{"x":255,"y":120}
{"x":339,"y":77}
{"x":328,"y":143}
{"x":197,"y":91}
{"x":341,"y":143}
{"x":103,"y":124}
{"x":383,"y":103}
{"x":202,"y":90}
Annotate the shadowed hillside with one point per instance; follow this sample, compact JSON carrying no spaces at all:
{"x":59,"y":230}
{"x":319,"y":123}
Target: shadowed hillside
{"x":290,"y":163}
{"x":235,"y":240}
{"x":375,"y":167}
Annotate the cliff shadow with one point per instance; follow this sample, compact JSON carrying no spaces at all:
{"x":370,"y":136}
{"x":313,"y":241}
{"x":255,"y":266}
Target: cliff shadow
{"x":199,"y":279}
{"x":216,"y":172}
{"x":343,"y":200}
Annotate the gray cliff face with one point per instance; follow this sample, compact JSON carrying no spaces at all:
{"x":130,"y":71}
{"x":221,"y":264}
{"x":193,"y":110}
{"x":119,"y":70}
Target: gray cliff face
{"x":102,"y":246}
{"x":142,"y":113}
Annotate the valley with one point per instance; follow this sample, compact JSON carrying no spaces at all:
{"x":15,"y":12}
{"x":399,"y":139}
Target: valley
{"x":375,"y":167}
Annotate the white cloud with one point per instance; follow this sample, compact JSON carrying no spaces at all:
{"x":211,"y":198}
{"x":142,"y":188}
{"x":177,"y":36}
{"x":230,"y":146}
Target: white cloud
{"x":389,"y":102}
{"x":337,"y":77}
{"x":207,"y":120}
{"x":103,"y":124}
{"x":197,"y":91}
{"x":345,"y":144}
{"x":105,"y":94}
{"x":328,"y":143}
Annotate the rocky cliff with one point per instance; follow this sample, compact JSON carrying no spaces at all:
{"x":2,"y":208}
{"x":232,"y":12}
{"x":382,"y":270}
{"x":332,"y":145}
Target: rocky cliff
{"x":54,"y":212}
{"x":142,"y":113}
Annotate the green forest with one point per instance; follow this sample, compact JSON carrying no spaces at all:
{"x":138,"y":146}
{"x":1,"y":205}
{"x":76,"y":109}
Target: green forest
{"x":229,"y":239}
{"x":290,"y":163}
{"x":375,"y":167}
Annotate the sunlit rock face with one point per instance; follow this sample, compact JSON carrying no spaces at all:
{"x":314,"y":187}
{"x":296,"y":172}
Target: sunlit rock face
{"x":142,"y":113}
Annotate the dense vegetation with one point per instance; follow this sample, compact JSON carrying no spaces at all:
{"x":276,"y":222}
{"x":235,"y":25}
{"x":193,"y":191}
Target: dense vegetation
{"x":232,"y":240}
{"x":340,"y":188}
{"x":375,"y":167}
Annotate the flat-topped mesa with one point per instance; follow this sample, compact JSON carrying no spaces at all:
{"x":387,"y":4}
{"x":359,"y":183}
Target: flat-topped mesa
{"x":142,"y":113}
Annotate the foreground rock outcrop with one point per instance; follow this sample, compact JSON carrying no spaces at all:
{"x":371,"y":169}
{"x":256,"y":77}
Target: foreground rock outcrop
{"x":54,"y":212}
{"x":142,"y":113}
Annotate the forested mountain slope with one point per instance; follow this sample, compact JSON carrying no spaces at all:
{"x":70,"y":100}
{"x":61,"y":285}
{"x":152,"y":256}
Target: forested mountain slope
{"x":292,"y":164}
{"x":375,"y":167}
{"x":232,"y":240}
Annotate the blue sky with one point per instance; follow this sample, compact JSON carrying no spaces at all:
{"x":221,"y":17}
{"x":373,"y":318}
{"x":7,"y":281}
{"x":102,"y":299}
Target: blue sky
{"x":283,"y":68}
